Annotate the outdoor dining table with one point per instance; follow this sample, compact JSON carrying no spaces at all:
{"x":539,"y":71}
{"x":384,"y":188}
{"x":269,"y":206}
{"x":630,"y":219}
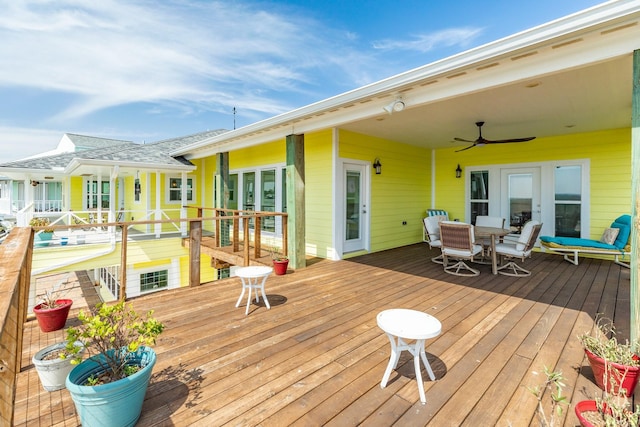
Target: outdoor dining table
{"x":493,"y":233}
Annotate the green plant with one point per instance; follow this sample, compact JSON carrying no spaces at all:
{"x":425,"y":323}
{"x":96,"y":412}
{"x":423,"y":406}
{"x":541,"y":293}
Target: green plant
{"x":552,"y":386}
{"x":41,"y":222}
{"x":604,"y":343}
{"x":275,"y":254}
{"x":117,"y":332}
{"x":50,"y":298}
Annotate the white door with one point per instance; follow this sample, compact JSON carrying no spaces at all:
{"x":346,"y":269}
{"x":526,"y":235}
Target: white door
{"x":355,"y":212}
{"x":520,"y":196}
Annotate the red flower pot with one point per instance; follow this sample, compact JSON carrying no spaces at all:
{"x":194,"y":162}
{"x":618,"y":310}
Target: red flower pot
{"x":52,"y":319}
{"x":280,"y":266}
{"x":628,"y":374}
{"x":585,"y":406}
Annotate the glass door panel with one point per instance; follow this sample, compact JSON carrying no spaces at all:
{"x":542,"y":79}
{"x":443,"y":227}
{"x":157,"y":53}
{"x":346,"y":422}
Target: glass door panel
{"x":268,"y":198}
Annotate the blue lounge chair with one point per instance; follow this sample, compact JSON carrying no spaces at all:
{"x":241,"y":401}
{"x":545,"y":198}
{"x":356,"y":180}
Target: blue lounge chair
{"x":571,"y":247}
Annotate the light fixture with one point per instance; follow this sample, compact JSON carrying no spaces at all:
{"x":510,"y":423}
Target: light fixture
{"x":34,"y":183}
{"x":377,"y":166}
{"x":395,"y":106}
{"x":458,"y":171}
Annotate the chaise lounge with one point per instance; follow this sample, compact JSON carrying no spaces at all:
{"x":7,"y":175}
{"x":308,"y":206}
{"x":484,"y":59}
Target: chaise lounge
{"x":615,"y":243}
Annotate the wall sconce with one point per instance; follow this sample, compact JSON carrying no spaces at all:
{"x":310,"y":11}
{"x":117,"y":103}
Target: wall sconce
{"x":34,"y":183}
{"x":377,"y":166}
{"x":395,"y":106}
{"x":458,"y":171}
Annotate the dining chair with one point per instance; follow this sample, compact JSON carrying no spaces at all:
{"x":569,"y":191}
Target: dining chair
{"x":458,"y":243}
{"x":432,"y":234}
{"x":518,"y":249}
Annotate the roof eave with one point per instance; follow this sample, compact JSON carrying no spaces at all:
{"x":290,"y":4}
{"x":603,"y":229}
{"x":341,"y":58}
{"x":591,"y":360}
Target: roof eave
{"x":555,"y":31}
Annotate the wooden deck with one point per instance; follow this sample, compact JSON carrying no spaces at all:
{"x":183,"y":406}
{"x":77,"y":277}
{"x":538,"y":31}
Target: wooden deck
{"x":317,"y":357}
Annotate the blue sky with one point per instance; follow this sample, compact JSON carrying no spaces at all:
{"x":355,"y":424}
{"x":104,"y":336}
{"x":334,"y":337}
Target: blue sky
{"x":152,"y":70}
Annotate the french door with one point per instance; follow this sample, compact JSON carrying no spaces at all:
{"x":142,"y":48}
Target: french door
{"x":520,"y":188}
{"x":355,"y":212}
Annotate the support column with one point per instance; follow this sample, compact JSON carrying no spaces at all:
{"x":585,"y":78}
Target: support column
{"x":221,"y":182}
{"x":296,"y":201}
{"x":635,"y":199}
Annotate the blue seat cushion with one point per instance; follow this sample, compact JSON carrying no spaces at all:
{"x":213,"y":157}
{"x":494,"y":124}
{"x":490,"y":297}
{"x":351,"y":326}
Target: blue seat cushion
{"x":577,"y":242}
{"x":623,"y":223}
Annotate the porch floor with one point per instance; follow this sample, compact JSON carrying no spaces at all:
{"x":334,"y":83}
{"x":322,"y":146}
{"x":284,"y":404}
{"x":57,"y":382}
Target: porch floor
{"x":317,"y":356}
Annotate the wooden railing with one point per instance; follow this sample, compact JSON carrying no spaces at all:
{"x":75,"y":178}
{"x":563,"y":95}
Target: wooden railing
{"x":249,"y":242}
{"x":15,"y":272}
{"x":16,"y":254}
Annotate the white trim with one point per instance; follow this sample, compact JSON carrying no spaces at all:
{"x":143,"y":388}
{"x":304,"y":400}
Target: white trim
{"x":337,"y":228}
{"x":547,"y":189}
{"x":183,"y":190}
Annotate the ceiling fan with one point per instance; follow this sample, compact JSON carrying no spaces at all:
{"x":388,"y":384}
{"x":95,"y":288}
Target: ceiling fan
{"x":481,"y":141}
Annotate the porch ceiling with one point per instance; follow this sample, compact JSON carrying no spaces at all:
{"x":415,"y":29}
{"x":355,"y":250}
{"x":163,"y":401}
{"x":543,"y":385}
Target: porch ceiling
{"x":579,"y":100}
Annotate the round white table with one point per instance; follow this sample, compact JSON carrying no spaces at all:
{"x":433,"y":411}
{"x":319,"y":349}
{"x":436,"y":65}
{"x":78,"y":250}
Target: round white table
{"x":253,"y":277}
{"x":403,"y":324}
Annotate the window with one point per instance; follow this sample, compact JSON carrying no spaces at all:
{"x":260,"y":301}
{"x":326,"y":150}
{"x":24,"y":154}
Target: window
{"x":479,"y":181}
{"x":268,"y":184}
{"x":91,"y":191}
{"x":154,"y":280}
{"x":175,"y":189}
{"x":568,"y":200}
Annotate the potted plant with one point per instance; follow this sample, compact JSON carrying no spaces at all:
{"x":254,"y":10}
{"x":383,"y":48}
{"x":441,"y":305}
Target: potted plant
{"x":109,"y":387}
{"x":46,"y":234}
{"x":52,"y":311}
{"x":280,"y":262}
{"x":53,"y":369}
{"x":614,"y":364}
{"x":552,"y":388}
{"x":611,"y":410}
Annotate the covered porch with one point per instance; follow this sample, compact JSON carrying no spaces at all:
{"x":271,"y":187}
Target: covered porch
{"x":317,"y":356}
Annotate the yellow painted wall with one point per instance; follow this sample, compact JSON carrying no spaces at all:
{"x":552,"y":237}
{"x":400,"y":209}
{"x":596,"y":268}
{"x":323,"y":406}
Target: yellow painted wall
{"x":140,"y":254}
{"x":610,"y":158}
{"x":318,"y":193}
{"x":401,"y":193}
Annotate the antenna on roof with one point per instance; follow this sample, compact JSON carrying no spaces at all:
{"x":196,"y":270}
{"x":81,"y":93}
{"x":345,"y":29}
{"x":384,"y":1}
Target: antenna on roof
{"x":234,"y":118}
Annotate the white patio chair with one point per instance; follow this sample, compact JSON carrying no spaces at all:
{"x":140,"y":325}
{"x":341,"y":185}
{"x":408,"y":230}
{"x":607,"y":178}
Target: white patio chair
{"x":519,"y":249}
{"x":458,"y":242}
{"x":432,"y":233}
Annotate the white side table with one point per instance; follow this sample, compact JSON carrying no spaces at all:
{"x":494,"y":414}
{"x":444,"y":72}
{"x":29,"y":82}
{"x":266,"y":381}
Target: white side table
{"x":253,"y":277}
{"x":400,"y":324}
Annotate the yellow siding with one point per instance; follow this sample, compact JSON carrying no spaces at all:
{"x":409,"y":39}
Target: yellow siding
{"x":140,"y":254}
{"x":256,"y":156}
{"x":609,"y":153}
{"x":318,"y":193}
{"x":401,"y":193}
{"x":76,"y":193}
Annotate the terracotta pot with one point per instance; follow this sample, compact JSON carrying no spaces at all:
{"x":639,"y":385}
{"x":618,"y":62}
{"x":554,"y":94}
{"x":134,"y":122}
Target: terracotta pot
{"x":52,"y":319}
{"x":585,"y":406}
{"x":630,"y":374}
{"x":280,"y":266}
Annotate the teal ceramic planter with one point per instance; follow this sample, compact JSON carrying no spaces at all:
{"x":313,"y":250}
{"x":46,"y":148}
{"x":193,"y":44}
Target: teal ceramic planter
{"x":114,"y":404}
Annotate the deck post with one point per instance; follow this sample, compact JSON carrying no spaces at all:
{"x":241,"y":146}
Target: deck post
{"x":295,"y":201}
{"x":195,"y":239}
{"x":635,"y":200}
{"x":123,"y":263}
{"x":221,"y":183}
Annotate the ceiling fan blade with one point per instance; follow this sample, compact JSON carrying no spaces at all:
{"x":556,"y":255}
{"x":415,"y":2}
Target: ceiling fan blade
{"x":500,"y":141}
{"x":461,"y":140}
{"x":466,"y":148}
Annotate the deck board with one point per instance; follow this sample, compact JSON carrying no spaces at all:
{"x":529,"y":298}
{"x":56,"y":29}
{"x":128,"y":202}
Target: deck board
{"x":317,"y":357}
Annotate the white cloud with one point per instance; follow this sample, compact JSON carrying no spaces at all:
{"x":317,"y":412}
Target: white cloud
{"x":423,"y":43}
{"x":115,"y":52}
{"x":19,"y":143}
